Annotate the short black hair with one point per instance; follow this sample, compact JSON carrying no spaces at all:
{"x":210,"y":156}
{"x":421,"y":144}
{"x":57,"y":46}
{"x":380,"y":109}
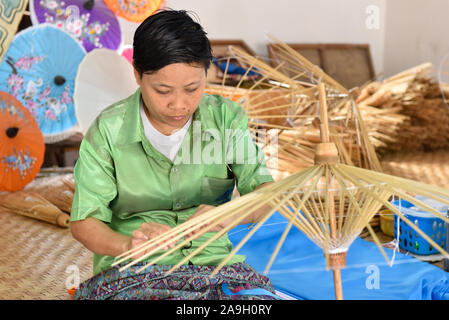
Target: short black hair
{"x":170,"y":36}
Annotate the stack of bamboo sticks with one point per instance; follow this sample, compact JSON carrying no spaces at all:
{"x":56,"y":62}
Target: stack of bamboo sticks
{"x":406,"y":112}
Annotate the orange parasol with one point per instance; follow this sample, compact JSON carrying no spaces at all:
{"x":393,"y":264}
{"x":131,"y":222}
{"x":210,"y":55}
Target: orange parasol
{"x":134,"y":10}
{"x":21,"y":144}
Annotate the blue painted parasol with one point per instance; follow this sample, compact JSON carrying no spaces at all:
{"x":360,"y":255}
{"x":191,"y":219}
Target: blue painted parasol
{"x":39,"y":69}
{"x":11,"y":13}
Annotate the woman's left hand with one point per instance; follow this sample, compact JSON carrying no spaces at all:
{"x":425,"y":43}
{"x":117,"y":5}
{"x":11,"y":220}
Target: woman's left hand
{"x":202,"y":209}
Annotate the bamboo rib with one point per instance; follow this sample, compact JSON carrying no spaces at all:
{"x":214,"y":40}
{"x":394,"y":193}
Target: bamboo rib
{"x":263,"y":67}
{"x":276,"y":112}
{"x":270,"y":125}
{"x":378,"y":244}
{"x":309,"y":216}
{"x":317,"y":71}
{"x":226,"y":71}
{"x":306,"y":227}
{"x":218,"y":235}
{"x":252,"y":110}
{"x":371,"y":153}
{"x":183,"y":229}
{"x":154,"y":243}
{"x":275,"y":117}
{"x":252,"y":200}
{"x":262,"y":79}
{"x":254,"y":229}
{"x":401,"y":216}
{"x":260,"y":223}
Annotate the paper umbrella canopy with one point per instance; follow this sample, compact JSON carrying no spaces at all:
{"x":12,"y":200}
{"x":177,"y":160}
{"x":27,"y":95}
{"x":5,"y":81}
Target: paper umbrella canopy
{"x":39,"y":69}
{"x":21,"y":144}
{"x":91,"y":22}
{"x":98,"y":85}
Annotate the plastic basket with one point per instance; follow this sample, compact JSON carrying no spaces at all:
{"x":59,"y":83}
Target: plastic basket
{"x":431,"y":225}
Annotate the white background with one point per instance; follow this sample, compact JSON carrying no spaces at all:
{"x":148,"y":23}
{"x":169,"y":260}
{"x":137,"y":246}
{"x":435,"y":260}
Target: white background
{"x":410,"y":32}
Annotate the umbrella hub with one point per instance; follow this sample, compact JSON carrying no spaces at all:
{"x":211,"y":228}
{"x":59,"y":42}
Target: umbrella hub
{"x":11,"y":132}
{"x":59,"y":80}
{"x":89,"y":4}
{"x":326,"y":153}
{"x":337,"y":260}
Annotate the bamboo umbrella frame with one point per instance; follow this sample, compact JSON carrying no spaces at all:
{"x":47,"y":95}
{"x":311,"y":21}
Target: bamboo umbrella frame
{"x":291,"y":105}
{"x":330,"y":202}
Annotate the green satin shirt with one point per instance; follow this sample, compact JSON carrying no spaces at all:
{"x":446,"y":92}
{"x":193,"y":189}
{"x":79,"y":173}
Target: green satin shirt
{"x":122,"y":180}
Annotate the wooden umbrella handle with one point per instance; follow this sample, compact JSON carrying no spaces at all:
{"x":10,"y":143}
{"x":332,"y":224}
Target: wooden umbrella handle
{"x":324,"y":126}
{"x":327,"y":153}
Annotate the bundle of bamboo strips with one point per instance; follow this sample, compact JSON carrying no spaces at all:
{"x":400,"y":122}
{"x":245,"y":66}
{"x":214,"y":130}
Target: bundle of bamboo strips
{"x":57,"y":189}
{"x":32,"y":205}
{"x":406,"y":112}
{"x":330,"y":202}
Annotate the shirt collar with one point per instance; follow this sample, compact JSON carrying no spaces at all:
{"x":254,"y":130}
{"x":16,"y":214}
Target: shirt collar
{"x":131,"y":130}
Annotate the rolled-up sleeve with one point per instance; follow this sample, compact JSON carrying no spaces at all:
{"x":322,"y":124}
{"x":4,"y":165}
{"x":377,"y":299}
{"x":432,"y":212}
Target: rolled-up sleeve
{"x":245,"y":158}
{"x":94,"y":174}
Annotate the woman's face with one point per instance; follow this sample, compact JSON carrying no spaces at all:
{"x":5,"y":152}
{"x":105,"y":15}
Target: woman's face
{"x":172,"y":94}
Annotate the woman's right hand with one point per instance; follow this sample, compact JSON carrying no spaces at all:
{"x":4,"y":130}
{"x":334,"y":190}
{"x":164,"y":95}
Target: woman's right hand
{"x":147,"y":231}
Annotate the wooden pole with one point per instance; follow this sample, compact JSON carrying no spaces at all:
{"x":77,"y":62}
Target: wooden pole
{"x":329,"y":155}
{"x":337,"y":285}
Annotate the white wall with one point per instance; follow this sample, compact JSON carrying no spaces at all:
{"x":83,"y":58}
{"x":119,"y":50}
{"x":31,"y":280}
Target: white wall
{"x":417,"y":32}
{"x":301,"y":21}
{"x":410,"y":32}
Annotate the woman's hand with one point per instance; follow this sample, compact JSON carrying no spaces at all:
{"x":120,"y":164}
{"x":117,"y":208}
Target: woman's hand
{"x":148,"y":231}
{"x":254,"y":217}
{"x":202,"y":209}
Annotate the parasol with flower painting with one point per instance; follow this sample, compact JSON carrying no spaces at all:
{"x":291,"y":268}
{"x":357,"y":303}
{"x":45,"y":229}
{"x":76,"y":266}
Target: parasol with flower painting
{"x":39,"y":69}
{"x":21,"y":144}
{"x":91,"y":22}
{"x":11,"y":13}
{"x":134,"y":10}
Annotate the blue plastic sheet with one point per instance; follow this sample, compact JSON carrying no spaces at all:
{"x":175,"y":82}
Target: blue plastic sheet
{"x":234,"y":69}
{"x":299,"y":270}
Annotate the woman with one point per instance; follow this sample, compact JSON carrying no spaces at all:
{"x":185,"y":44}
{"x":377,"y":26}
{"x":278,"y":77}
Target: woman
{"x":164,"y":155}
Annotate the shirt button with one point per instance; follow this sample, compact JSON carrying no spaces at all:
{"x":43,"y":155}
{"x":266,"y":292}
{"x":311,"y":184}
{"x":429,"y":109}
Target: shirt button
{"x":175,"y":169}
{"x":177,"y":205}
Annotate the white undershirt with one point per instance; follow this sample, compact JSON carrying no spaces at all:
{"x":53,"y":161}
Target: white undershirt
{"x":167,"y":145}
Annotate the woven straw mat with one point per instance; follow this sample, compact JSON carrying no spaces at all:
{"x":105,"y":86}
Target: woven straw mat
{"x":39,"y":260}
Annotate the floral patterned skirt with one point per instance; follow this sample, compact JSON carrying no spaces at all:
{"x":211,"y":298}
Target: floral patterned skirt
{"x":188,"y":282}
